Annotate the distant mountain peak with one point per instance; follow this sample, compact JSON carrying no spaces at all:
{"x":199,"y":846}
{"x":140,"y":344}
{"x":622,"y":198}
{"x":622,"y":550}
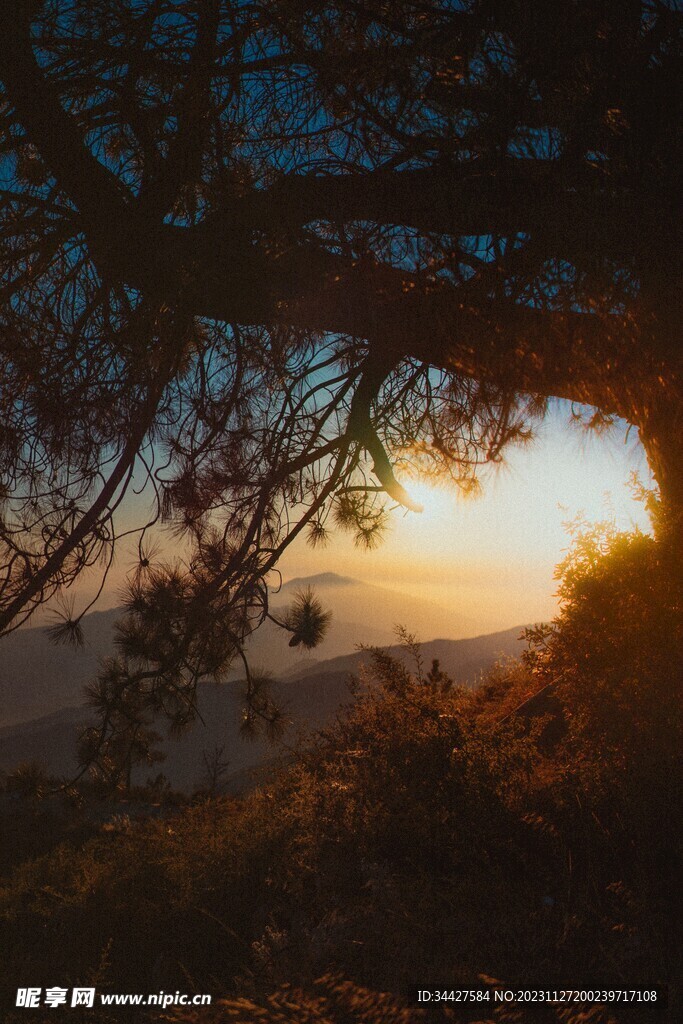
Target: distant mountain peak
{"x":321,"y":579}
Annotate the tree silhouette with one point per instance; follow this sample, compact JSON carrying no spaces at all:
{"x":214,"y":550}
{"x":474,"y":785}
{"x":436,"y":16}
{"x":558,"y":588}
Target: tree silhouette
{"x":279,"y":257}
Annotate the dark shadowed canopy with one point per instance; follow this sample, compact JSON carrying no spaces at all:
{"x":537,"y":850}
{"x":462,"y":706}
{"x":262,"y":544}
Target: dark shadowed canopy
{"x":283,"y":255}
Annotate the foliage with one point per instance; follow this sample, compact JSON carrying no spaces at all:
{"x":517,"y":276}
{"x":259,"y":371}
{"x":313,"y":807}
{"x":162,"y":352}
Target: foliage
{"x":612,"y":651}
{"x":306,"y":619}
{"x":28,"y":780}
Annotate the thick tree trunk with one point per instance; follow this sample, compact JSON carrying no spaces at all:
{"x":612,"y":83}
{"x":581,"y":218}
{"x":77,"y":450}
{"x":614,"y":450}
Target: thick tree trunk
{"x":661,"y":432}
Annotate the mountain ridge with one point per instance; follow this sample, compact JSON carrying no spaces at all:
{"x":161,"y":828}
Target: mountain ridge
{"x":37,"y":677}
{"x":331,"y":579}
{"x":310,"y":701}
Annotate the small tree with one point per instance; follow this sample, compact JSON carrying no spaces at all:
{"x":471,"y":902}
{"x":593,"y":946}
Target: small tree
{"x":124,"y":737}
{"x":216,"y":767}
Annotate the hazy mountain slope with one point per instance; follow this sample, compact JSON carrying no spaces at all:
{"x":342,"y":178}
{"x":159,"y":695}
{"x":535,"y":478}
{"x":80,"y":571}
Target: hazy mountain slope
{"x":381,"y":608}
{"x":461,"y":659}
{"x":269,"y":647}
{"x":37,"y":678}
{"x":310,"y":702}
{"x":52,"y":740}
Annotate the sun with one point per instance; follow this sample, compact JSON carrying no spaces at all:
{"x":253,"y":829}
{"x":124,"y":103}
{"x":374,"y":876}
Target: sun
{"x":437,"y":500}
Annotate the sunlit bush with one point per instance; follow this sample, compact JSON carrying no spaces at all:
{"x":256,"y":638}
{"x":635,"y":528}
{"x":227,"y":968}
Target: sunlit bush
{"x":615,"y":651}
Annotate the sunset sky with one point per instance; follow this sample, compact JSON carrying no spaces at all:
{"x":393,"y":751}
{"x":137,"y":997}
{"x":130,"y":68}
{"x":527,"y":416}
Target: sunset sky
{"x":490,"y":560}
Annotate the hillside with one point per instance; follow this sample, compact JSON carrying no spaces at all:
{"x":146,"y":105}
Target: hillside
{"x":463,"y":659}
{"x":38,"y":678}
{"x":310,"y":699}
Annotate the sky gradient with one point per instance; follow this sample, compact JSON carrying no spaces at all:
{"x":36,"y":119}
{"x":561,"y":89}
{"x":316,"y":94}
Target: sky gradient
{"x":489,"y":560}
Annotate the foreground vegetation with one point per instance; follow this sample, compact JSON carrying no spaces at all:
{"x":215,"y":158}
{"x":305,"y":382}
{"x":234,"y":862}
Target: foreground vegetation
{"x":431,"y":837}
